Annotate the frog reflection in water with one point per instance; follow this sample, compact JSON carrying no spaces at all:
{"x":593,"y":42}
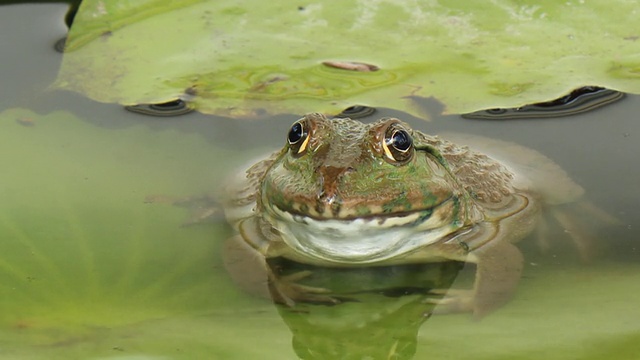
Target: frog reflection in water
{"x":342,"y":193}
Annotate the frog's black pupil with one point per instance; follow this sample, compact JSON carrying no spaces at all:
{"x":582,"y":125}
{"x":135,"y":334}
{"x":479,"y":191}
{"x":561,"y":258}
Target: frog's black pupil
{"x":296,"y":133}
{"x":401,"y":140}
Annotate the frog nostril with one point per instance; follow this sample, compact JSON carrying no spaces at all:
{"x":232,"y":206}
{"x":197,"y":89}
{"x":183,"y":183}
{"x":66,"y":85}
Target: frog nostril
{"x":328,"y":195}
{"x":331,"y":174}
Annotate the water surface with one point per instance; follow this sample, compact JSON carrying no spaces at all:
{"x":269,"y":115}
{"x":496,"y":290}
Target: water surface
{"x":89,"y":270}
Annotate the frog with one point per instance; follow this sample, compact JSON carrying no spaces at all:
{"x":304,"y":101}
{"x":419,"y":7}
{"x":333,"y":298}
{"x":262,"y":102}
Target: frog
{"x":343,"y":193}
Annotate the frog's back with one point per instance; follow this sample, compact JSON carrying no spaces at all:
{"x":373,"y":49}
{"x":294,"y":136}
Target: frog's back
{"x":484,"y":178}
{"x":530,"y":170}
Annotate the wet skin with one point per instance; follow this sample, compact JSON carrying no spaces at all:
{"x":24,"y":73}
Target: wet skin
{"x":342,"y":193}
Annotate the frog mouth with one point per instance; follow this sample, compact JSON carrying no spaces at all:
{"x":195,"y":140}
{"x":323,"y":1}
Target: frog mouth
{"x":367,"y":240}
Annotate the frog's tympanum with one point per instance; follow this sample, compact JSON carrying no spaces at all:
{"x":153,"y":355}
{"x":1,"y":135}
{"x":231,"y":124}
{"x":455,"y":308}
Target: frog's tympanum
{"x":342,"y":193}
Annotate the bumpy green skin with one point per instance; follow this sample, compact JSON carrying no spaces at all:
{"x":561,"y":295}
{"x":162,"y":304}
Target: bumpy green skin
{"x":341,"y":175}
{"x":442,"y":202}
{"x":344,"y":173}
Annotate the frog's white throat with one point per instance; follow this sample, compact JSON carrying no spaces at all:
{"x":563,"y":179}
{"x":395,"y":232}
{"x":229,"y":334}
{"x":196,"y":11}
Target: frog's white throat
{"x":365,"y":240}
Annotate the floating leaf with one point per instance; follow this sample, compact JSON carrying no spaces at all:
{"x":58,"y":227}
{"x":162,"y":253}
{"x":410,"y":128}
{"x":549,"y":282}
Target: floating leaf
{"x":244,"y":58}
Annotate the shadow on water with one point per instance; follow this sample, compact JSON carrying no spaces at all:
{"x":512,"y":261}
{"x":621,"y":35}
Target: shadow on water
{"x":89,"y":269}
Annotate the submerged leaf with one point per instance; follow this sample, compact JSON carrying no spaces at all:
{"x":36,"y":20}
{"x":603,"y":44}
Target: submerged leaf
{"x":85,"y":261}
{"x":90,"y":271}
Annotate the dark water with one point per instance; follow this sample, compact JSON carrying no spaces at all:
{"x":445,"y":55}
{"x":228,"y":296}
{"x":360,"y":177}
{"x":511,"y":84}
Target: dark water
{"x":89,"y":270}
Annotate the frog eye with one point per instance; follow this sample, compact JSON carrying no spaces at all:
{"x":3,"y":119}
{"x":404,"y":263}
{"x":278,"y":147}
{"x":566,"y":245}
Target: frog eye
{"x":298,"y":137}
{"x":398,"y":144}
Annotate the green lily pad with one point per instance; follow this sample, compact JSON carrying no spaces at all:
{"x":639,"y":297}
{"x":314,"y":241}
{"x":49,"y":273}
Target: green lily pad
{"x":241,"y":59}
{"x":561,"y":311}
{"x":89,"y":270}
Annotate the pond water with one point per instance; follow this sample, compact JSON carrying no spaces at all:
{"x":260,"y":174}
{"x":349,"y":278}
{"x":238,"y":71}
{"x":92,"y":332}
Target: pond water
{"x":90,"y":270}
